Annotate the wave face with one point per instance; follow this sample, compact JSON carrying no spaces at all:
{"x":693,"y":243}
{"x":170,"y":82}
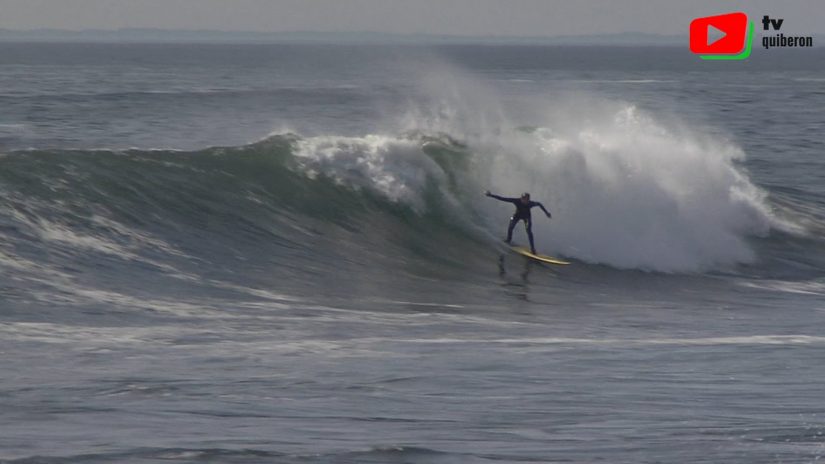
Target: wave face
{"x":625,"y":190}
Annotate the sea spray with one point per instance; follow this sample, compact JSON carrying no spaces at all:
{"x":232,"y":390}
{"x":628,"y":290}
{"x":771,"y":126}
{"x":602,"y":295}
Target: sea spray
{"x":632,"y":193}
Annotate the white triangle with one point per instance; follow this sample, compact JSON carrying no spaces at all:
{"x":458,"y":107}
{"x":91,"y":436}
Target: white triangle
{"x":715,"y":35}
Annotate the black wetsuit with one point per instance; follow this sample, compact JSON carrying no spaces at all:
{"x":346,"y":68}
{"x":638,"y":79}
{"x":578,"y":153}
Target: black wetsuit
{"x":522,"y":214}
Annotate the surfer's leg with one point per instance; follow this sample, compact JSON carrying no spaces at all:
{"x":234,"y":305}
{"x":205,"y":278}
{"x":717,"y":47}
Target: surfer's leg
{"x":513,"y":222}
{"x":528,"y":224}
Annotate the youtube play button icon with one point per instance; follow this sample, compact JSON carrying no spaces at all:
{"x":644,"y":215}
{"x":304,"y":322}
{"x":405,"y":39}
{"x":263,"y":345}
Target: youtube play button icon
{"x":714,"y":34}
{"x":719,"y":35}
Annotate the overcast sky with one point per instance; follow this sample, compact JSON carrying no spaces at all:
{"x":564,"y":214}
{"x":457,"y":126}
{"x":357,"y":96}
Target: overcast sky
{"x":453,"y":17}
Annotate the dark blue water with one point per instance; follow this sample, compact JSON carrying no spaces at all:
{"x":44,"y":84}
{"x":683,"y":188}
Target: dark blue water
{"x":282,"y":253}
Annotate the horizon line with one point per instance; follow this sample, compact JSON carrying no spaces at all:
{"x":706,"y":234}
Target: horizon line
{"x":624,"y":35}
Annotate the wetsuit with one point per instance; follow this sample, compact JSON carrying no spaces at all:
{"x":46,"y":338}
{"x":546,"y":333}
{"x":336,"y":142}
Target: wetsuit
{"x":522,"y":214}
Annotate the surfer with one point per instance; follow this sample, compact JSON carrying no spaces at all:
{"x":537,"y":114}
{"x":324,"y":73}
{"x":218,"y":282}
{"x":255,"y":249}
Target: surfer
{"x":523,"y":205}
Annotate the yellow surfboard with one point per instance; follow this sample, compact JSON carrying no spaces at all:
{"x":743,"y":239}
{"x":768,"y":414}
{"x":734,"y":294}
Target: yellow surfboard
{"x":544,"y":259}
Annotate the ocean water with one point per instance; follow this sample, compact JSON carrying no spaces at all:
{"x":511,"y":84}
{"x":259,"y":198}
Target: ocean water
{"x":282,"y":253}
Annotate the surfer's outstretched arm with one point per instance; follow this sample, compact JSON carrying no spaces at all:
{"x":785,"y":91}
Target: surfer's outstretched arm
{"x":544,"y":209}
{"x":500,"y":198}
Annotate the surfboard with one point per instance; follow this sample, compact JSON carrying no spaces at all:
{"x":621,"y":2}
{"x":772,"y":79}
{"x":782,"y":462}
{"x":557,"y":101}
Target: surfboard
{"x":544,"y":259}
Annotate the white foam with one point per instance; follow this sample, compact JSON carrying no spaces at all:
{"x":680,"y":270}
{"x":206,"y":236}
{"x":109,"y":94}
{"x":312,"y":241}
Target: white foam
{"x":120,"y":241}
{"x":809,"y":287}
{"x":628,"y":191}
{"x":393,"y":167}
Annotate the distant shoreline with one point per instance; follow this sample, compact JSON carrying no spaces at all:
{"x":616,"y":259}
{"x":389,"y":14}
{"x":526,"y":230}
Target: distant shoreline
{"x":209,"y":36}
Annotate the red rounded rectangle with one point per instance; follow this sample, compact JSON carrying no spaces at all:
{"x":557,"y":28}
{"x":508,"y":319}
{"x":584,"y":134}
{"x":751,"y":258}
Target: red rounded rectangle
{"x":734,"y":26}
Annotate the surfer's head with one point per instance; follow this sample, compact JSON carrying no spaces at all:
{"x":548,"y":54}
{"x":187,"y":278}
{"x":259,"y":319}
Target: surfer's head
{"x":525,"y":197}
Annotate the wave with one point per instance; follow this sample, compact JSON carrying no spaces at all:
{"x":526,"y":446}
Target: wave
{"x":625,"y":191}
{"x":623,"y":81}
{"x":232,"y":455}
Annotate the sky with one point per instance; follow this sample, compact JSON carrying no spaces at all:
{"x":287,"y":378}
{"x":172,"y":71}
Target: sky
{"x":442,"y":17}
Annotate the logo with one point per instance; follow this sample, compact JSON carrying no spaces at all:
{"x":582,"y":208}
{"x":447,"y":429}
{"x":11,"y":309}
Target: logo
{"x":730,"y":36}
{"x":722,"y":37}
